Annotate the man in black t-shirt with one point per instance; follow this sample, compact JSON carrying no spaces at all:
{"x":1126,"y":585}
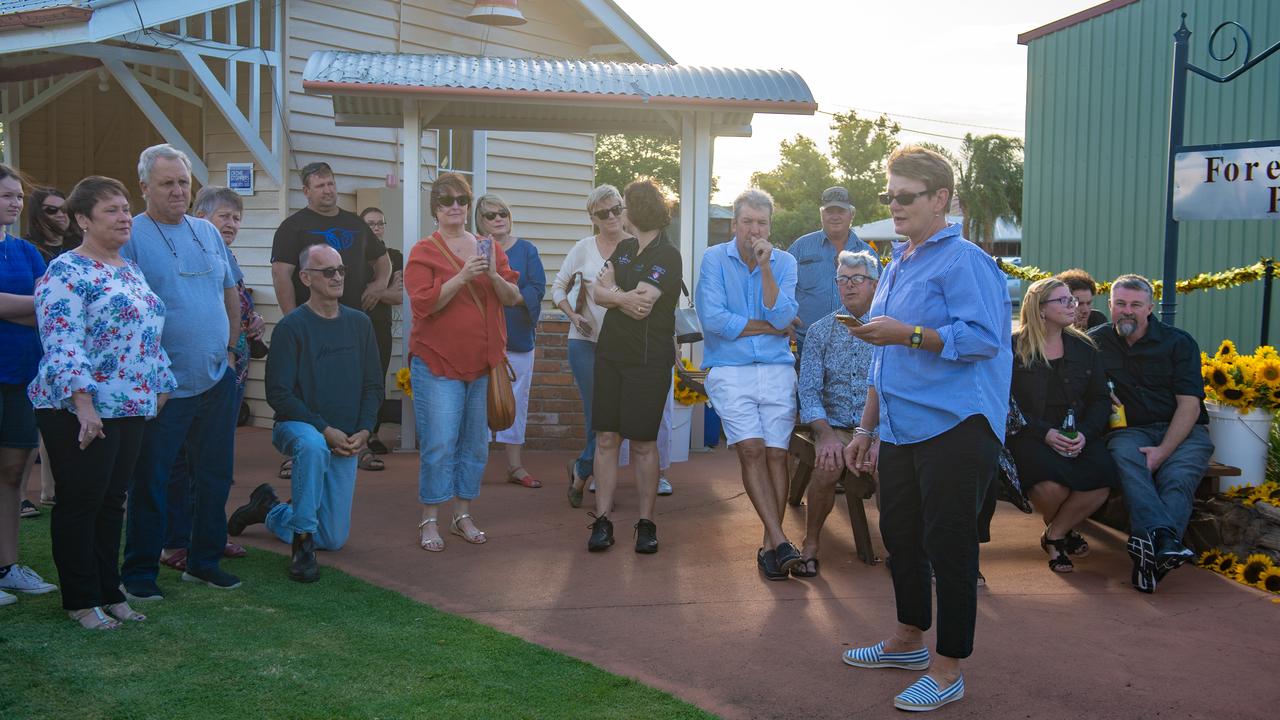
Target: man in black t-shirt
{"x":322,"y":221}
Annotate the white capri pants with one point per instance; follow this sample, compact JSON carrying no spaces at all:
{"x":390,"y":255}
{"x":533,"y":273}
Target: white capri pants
{"x":522,"y":365}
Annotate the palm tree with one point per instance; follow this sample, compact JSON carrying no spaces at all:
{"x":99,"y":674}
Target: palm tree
{"x":989,"y":186}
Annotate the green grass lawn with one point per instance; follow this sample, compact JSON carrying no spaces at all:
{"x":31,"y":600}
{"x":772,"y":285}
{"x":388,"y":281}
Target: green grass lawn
{"x":340,"y":648}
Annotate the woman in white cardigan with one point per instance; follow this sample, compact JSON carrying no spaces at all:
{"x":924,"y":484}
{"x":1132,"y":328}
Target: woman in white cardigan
{"x":569,"y":293}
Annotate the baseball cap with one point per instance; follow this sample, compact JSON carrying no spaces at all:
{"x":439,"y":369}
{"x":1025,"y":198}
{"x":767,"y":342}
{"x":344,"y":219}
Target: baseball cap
{"x":837,"y":197}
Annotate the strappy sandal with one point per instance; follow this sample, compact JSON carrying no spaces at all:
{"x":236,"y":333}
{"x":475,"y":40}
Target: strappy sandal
{"x":369,"y":461}
{"x":122,"y":612}
{"x":286,"y":470}
{"x":1077,"y":546}
{"x":1062,"y":563}
{"x":475,"y":538}
{"x":434,"y":544}
{"x":528,"y":480}
{"x":93,"y":619}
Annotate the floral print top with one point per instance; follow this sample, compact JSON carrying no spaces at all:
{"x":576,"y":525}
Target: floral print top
{"x":100,"y":326}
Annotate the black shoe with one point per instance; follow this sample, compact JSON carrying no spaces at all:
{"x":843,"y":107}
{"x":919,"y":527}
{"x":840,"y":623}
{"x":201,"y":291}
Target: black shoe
{"x":601,"y":533}
{"x":767,"y":561}
{"x":303,"y":567}
{"x":261,"y":500}
{"x":1170,"y":552}
{"x":787,"y":557}
{"x":1145,"y":570}
{"x":142,"y":591}
{"x":213,"y":577}
{"x":646,"y":537}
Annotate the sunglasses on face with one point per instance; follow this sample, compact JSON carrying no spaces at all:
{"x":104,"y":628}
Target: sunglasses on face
{"x":843,"y":280}
{"x":495,"y":214}
{"x":604,"y":214}
{"x":451,"y":200}
{"x":903,"y":198}
{"x":51,"y":210}
{"x":1068,"y":301}
{"x":329,"y":272}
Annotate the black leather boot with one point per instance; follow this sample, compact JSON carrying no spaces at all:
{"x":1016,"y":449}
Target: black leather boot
{"x":303,"y":567}
{"x":261,"y":500}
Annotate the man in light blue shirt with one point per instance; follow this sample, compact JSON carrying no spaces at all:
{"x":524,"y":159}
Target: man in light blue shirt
{"x":186,"y":263}
{"x":815,"y":256}
{"x":746,"y":301}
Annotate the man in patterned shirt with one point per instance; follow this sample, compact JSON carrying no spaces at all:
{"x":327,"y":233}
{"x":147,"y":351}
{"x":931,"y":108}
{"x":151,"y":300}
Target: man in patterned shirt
{"x":833,"y":389}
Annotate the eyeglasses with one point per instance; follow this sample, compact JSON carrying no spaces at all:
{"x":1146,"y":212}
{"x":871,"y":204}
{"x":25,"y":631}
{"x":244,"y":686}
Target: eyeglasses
{"x":377,"y":224}
{"x":451,"y":200}
{"x":181,"y":260}
{"x":604,"y":214}
{"x":329,"y":272}
{"x":53,"y":210}
{"x":496,"y":214}
{"x":903,"y":198}
{"x":852,"y":279}
{"x":1068,"y":301}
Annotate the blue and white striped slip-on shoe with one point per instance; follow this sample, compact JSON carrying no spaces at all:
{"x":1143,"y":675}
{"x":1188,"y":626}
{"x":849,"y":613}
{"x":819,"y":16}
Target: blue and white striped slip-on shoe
{"x":876,"y":657}
{"x":924,"y":695}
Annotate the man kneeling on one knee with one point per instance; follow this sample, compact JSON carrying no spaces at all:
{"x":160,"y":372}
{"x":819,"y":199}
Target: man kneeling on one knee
{"x":324,"y":380}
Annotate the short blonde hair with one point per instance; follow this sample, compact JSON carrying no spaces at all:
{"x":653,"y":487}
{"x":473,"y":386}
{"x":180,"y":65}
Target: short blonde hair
{"x":496,"y":202}
{"x":927,"y":166}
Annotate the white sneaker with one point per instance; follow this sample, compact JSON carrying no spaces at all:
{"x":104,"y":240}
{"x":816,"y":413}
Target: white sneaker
{"x":664,"y":486}
{"x":6,"y":598}
{"x":23,"y":579}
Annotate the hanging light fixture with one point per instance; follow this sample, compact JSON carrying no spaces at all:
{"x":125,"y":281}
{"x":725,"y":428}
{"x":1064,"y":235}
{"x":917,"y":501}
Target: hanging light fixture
{"x":497,"y":12}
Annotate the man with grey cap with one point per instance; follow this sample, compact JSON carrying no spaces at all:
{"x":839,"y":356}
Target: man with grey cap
{"x":816,"y":254}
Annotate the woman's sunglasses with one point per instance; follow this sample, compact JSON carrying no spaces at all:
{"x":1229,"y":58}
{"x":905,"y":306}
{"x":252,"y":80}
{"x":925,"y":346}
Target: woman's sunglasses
{"x":329,"y":272}
{"x":604,"y":214}
{"x":495,"y":214}
{"x":51,"y":210}
{"x":904,"y":198}
{"x":451,"y":200}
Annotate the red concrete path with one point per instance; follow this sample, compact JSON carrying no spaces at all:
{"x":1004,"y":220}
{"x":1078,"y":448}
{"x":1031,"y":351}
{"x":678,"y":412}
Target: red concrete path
{"x":697,"y":620}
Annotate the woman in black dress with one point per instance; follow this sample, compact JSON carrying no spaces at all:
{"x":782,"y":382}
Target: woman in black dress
{"x":1056,"y":370}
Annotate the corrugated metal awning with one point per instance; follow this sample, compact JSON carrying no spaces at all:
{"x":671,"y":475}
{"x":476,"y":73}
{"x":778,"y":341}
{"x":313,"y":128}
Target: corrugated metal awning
{"x":538,"y":93}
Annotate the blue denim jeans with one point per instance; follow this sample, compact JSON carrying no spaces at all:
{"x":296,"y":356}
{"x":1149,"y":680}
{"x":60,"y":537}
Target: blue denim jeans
{"x":1162,"y":500}
{"x":453,"y":434}
{"x":178,"y":534}
{"x":323,"y":486}
{"x":582,"y":362}
{"x":206,"y":424}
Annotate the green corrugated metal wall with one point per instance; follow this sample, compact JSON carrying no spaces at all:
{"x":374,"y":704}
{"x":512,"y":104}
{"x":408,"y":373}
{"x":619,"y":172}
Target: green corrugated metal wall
{"x":1097,"y":137}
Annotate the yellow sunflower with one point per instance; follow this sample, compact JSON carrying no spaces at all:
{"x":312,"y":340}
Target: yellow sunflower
{"x":1226,"y":562}
{"x":1267,"y":370}
{"x":1250,"y":571}
{"x":403,"y":382}
{"x":1269,"y":580}
{"x":1217,"y":375}
{"x":1226,"y":350}
{"x":1209,"y":558}
{"x":1266,"y":352}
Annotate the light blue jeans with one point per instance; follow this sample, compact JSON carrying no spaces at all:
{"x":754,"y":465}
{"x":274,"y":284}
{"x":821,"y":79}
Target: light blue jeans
{"x":323,"y":486}
{"x":1162,"y":500}
{"x":453,"y":434}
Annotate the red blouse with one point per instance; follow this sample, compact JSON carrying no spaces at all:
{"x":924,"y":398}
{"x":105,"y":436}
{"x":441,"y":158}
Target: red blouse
{"x":454,"y":341}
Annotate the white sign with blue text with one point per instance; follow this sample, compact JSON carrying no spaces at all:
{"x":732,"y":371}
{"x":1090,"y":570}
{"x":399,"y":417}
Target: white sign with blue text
{"x":1228,"y":184}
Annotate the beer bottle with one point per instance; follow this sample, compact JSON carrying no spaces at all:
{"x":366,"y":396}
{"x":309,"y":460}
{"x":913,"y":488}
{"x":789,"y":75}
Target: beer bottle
{"x":1068,"y":429}
{"x":1117,"y":419}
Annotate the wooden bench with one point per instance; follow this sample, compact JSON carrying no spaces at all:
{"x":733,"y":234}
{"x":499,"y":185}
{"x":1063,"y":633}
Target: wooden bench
{"x":1113,"y":512}
{"x":857,"y":488}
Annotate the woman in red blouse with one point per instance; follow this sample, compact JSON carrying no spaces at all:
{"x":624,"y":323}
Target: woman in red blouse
{"x":457,"y":284}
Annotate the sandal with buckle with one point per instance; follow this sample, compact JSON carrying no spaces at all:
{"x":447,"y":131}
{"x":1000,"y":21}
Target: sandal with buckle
{"x":1077,"y":546}
{"x":122,"y":612}
{"x":435,"y":544}
{"x":368,"y":461}
{"x":1062,"y":563}
{"x":93,"y":619}
{"x":475,"y":538}
{"x":527,"y":480}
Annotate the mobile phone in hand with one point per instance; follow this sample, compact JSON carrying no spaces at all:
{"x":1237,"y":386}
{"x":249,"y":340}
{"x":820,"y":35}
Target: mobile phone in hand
{"x":848,"y":320}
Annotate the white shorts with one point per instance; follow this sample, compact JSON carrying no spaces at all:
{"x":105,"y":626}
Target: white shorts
{"x":755,"y":401}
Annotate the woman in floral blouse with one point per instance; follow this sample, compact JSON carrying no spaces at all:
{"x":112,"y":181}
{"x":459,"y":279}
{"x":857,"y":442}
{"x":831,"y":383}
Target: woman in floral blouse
{"x":103,"y":374}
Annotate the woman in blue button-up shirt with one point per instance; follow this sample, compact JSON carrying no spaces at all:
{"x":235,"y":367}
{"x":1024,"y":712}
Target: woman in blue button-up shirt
{"x":938,"y":399}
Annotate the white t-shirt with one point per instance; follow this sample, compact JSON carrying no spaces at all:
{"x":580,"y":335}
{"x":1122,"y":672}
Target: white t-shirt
{"x":584,"y":258}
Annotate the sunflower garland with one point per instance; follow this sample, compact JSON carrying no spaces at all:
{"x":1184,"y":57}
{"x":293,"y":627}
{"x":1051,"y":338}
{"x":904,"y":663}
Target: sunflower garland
{"x":1221,"y":280}
{"x":1244,"y":382}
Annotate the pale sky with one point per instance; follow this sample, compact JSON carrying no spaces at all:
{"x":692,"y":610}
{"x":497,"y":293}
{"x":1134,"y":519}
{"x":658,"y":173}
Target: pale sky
{"x":943,"y":60}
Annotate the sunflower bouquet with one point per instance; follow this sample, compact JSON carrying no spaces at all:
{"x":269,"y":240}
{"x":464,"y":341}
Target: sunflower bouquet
{"x":1244,"y":382}
{"x":689,"y":380}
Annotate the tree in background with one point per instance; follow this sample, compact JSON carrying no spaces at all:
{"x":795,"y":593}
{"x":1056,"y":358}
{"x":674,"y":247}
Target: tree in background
{"x":623,"y":158}
{"x":989,"y":185}
{"x":796,"y":186}
{"x":859,"y":149}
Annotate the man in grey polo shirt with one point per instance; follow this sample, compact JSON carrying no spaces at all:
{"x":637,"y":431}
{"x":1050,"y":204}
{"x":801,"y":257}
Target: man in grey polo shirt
{"x":815,"y":256}
{"x":186,"y":263}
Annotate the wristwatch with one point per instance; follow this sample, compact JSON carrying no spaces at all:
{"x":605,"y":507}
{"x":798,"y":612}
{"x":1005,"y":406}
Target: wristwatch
{"x":917,"y":337}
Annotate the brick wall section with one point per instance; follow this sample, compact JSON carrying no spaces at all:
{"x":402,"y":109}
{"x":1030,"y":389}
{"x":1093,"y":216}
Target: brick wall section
{"x":555,"y":409}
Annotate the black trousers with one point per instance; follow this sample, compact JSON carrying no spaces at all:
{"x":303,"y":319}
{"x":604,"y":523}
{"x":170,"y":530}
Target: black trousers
{"x":91,"y":485}
{"x":931,"y":493}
